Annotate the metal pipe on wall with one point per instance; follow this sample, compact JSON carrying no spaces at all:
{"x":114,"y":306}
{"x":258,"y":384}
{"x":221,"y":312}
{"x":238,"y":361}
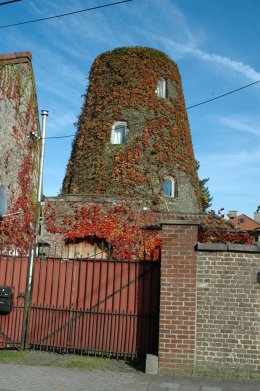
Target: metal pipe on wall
{"x":44,"y":114}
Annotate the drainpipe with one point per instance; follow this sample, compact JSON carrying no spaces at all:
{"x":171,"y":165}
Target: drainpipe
{"x":33,"y":251}
{"x":44,"y":114}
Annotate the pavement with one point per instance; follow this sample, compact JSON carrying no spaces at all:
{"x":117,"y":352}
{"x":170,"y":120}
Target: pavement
{"x":40,"y":378}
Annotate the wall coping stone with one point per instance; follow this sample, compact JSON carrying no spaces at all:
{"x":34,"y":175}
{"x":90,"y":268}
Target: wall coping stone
{"x":211,"y":246}
{"x":179,"y":222}
{"x":16,"y":58}
{"x":243,"y":247}
{"x":229,"y":247}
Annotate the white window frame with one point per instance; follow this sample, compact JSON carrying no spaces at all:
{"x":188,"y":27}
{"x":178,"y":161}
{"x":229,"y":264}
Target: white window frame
{"x":161,"y":88}
{"x":117,"y":139}
{"x":173,"y":186}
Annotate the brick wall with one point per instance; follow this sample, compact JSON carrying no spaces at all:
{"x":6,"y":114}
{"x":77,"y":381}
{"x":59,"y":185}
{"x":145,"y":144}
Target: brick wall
{"x":209,"y":305}
{"x":178,"y":296}
{"x":228,"y":311}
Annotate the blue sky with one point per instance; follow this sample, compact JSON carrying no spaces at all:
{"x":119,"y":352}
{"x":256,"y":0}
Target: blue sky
{"x":216,"y":45}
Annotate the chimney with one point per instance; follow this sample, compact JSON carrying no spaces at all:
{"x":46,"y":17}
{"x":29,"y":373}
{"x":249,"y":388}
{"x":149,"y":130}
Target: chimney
{"x":257,"y":217}
{"x":232,"y":214}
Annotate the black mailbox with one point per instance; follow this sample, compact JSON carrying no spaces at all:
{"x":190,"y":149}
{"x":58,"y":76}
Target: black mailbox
{"x":6,"y":299}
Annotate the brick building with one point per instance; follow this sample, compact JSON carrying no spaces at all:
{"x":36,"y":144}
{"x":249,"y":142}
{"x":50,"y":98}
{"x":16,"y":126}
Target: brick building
{"x":245,"y":223}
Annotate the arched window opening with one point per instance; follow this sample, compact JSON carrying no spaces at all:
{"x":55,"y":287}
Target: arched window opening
{"x":161,"y":88}
{"x":169,"y":187}
{"x":119,"y":130}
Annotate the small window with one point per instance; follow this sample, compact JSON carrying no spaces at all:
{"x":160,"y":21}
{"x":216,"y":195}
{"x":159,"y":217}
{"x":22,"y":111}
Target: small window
{"x":169,"y":187}
{"x":119,"y":130}
{"x":161,"y":88}
{"x":3,"y":200}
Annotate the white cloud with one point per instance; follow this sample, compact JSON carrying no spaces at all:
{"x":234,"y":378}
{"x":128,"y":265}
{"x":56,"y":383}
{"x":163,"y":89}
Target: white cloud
{"x":242,"y":124}
{"x":179,"y":23}
{"x":60,"y":122}
{"x":190,"y":48}
{"x":188,"y":42}
{"x":237,"y":66}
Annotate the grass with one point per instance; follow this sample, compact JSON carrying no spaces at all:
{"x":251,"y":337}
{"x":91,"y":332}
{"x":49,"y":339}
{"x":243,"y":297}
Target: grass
{"x":39,"y":358}
{"x":90,"y":363}
{"x":215,"y":374}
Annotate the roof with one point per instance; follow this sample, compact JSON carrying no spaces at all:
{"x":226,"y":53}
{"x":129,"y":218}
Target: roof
{"x":42,"y":242}
{"x":16,"y":58}
{"x":245,"y":223}
{"x":212,"y":222}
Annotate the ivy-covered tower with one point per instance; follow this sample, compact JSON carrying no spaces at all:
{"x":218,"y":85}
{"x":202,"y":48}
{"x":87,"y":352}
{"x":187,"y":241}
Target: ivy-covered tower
{"x":133,"y":139}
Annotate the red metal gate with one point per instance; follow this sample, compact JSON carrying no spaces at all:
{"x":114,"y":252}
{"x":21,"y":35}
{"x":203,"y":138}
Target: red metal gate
{"x":14,"y":271}
{"x":105,"y":307}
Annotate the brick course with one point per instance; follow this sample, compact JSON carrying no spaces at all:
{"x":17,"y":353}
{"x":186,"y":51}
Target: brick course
{"x":209,"y":305}
{"x":178,"y":297}
{"x":228,"y":320}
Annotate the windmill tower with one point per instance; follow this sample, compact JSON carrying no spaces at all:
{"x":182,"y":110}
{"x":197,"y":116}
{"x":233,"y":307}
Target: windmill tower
{"x":133,"y":139}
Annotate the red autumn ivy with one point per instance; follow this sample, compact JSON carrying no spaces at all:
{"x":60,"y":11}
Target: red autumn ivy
{"x":160,"y":130}
{"x":119,"y":226}
{"x":16,"y":231}
{"x":207,"y":236}
{"x":122,"y":227}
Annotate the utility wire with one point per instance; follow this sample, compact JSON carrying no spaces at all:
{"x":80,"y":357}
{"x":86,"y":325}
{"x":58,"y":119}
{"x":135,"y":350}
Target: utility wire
{"x":9,"y":2}
{"x":61,"y":15}
{"x":187,"y":108}
{"x":223,"y":95}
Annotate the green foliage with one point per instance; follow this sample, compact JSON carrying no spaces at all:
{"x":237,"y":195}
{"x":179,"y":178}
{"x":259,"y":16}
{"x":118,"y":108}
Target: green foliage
{"x":122,"y":87}
{"x":205,"y":196}
{"x":50,"y":359}
{"x":152,"y":53}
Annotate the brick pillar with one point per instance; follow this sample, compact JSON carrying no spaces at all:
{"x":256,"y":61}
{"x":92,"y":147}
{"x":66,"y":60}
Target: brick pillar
{"x":177,"y":333}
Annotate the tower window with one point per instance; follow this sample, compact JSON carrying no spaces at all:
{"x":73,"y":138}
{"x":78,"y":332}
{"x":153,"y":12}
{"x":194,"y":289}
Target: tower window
{"x":119,"y":130}
{"x":3,"y":200}
{"x":161,"y":88}
{"x":169,"y":187}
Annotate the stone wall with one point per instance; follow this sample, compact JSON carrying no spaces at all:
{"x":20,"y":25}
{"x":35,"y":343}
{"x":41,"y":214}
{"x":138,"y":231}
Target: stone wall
{"x":19,"y":150}
{"x":16,"y":84}
{"x":228,"y":317}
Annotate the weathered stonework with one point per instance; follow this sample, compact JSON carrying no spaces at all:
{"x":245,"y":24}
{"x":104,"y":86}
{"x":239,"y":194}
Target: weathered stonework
{"x":19,"y":151}
{"x":122,"y":88}
{"x":228,"y":320}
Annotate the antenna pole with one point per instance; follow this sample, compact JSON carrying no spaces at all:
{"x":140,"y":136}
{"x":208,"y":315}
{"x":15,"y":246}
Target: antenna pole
{"x":44,"y":114}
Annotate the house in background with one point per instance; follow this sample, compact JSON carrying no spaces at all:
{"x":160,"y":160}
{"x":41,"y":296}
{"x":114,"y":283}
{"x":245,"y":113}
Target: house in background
{"x":244,"y":223}
{"x":19,"y":148}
